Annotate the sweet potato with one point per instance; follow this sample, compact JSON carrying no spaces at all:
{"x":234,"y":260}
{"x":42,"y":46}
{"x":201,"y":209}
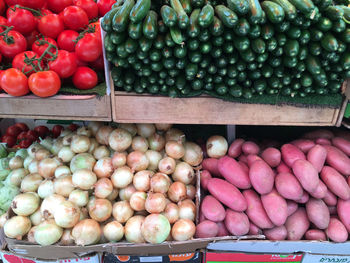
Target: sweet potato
{"x":237,"y":223}
{"x":255,"y":210}
{"x":227,"y":194}
{"x":254,"y":230}
{"x":288,"y":186}
{"x":342,"y":144}
{"x":283,"y":168}
{"x":233,"y":172}
{"x":306,"y":174}
{"x":323,"y":141}
{"x":335,"y":182}
{"x":235,"y":149}
{"x":222,"y":230}
{"x":336,"y":231}
{"x":252,"y":158}
{"x":261,"y":177}
{"x":249,"y":147}
{"x":303,"y":144}
{"x":318,"y":213}
{"x":211,"y":164}
{"x":291,"y":207}
{"x":276,"y":233}
{"x":332,"y":210}
{"x":291,"y":153}
{"x":206,"y":229}
{"x":271,"y":156}
{"x":343,"y":210}
{"x":304,"y":198}
{"x":244,"y":166}
{"x":320,"y":133}
{"x":330,"y":199}
{"x":315,"y":234}
{"x":338,"y":160}
{"x":205,"y":176}
{"x":212,"y":209}
{"x":321,"y":191}
{"x":297,"y":224}
{"x":276,"y":207}
{"x":243,"y":158}
{"x":317,"y":156}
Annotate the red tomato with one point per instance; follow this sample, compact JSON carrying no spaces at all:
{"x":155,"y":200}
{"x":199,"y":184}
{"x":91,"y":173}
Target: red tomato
{"x":10,"y":140}
{"x":88,"y":48}
{"x":39,"y":46}
{"x":89,"y":6}
{"x":64,"y":65}
{"x":36,"y":4}
{"x":85,"y":78}
{"x":0,"y":60}
{"x":104,"y":6}
{"x":66,"y":38}
{"x":22,"y":136}
{"x":11,"y":2}
{"x":80,"y":63}
{"x":58,"y":5}
{"x":42,"y":131}
{"x":97,"y":64}
{"x":73,"y":127}
{"x":13,"y":131}
{"x":22,"y":20}
{"x":44,"y":83}
{"x":2,"y":7}
{"x":32,"y":135}
{"x":97,"y":27}
{"x":14,"y":82}
{"x":56,"y":130}
{"x":75,"y":18}
{"x":3,"y":21}
{"x":32,"y":37}
{"x":18,"y":62}
{"x":17,"y":45}
{"x":45,"y":11}
{"x":51,"y":25}
{"x":22,"y":126}
{"x":25,"y":143}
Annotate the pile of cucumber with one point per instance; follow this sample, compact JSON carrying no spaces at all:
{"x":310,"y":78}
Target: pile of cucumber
{"x":228,"y":48}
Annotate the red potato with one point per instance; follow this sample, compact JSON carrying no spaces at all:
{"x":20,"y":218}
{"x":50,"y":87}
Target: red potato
{"x":297,"y":224}
{"x":342,"y":144}
{"x":276,"y":233}
{"x":206,"y":229}
{"x":291,"y":153}
{"x":255,"y":211}
{"x":323,"y":141}
{"x":227,"y":194}
{"x":305,"y":197}
{"x":252,"y":158}
{"x":205,"y":177}
{"x":261,"y":177}
{"x":271,"y":156}
{"x":303,"y":145}
{"x":336,"y":231}
{"x":249,"y":147}
{"x":338,"y":160}
{"x":343,"y":210}
{"x":283,"y":168}
{"x":317,"y":156}
{"x":321,"y":191}
{"x":332,"y":210}
{"x":222,"y":230}
{"x":335,"y":182}
{"x":244,"y":167}
{"x":233,"y":172}
{"x":276,"y":207}
{"x":237,"y":223}
{"x":243,"y":159}
{"x":212,"y":209}
{"x":235,"y":149}
{"x":315,"y":234}
{"x":291,"y":207}
{"x":320,"y":133}
{"x":330,"y":199}
{"x":201,"y":218}
{"x":318,"y":213}
{"x":254,"y":230}
{"x":307,"y":175}
{"x":288,"y":186}
{"x":211,"y":164}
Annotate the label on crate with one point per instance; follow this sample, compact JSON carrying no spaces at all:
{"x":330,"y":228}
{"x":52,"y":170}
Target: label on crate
{"x":251,"y":258}
{"x":310,"y":258}
{"x":11,"y":258}
{"x":177,"y":258}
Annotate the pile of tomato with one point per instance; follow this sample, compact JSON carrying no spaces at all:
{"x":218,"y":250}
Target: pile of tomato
{"x":45,"y":43}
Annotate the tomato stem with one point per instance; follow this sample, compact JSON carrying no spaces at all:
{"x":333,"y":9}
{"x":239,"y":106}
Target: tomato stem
{"x":90,"y":29}
{"x":33,"y":11}
{"x":4,"y":34}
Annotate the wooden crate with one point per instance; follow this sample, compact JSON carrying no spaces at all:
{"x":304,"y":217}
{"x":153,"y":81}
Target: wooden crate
{"x":60,"y":107}
{"x":134,"y":108}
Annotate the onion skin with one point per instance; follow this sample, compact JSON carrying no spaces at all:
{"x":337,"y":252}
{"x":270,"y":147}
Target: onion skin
{"x":156,"y":142}
{"x":139,"y":143}
{"x":25,"y":204}
{"x":86,"y":232}
{"x":122,"y":177}
{"x":102,"y":134}
{"x":39,"y":155}
{"x":153,"y":157}
{"x":193,"y":154}
{"x":82,"y":161}
{"x":16,"y":162}
{"x":47,"y":233}
{"x":160,"y":183}
{"x":103,"y":167}
{"x":155,"y":229}
{"x":49,"y":204}
{"x":84,"y":179}
{"x":122,"y":211}
{"x":120,"y":140}
{"x":119,"y":159}
{"x":101,"y":210}
{"x":64,"y":185}
{"x":183,"y":173}
{"x":183,"y":230}
{"x":133,"y":229}
{"x":155,"y":203}
{"x":80,"y":144}
{"x":175,"y":149}
{"x":167,"y":165}
{"x":142,"y":180}
{"x":177,"y":192}
{"x":31,"y":182}
{"x":62,"y":170}
{"x":103,"y":188}
{"x":17,"y":226}
{"x":138,"y":200}
{"x":101,"y":152}
{"x":187,"y":210}
{"x":79,"y":197}
{"x":137,"y":161}
{"x":47,"y":167}
{"x":66,"y":214}
{"x":216,"y":146}
{"x":113,"y":231}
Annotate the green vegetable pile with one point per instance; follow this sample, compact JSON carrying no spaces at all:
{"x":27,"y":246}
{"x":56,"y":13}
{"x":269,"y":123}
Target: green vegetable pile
{"x":230,"y":49}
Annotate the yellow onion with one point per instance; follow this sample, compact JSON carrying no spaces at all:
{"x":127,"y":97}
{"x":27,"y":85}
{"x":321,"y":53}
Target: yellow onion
{"x":102,"y":134}
{"x":32,"y":149}
{"x":174,"y":134}
{"x":113,"y":195}
{"x":119,"y":159}
{"x":93,"y":145}
{"x":17,"y":227}
{"x":67,"y":139}
{"x":16,"y":176}
{"x":139,"y":143}
{"x":122,"y":177}
{"x":47,"y":167}
{"x":122,"y":211}
{"x":126,"y":193}
{"x":57,"y":145}
{"x":155,"y":203}
{"x":66,"y":154}
{"x":175,"y":149}
{"x":94,"y":126}
{"x":31,"y":182}
{"x":27,"y":161}
{"x":84,"y":131}
{"x":113,"y":231}
{"x":156,"y":142}
{"x":36,"y":218}
{"x":49,"y":205}
{"x":84,"y":179}
{"x":155,"y":229}
{"x":133,"y":229}
{"x":137,"y":161}
{"x":120,"y":140}
{"x":145,"y":129}
{"x":30,"y":235}
{"x":193,"y":154}
{"x":216,"y":146}
{"x":47,"y":233}
{"x":183,"y":173}
{"x":86,"y":232}
{"x":80,"y":144}
{"x":101,"y":152}
{"x":138,"y":200}
{"x":177,"y":192}
{"x":67,"y":239}
{"x":153,"y":157}
{"x":103,"y":167}
{"x":163,"y":126}
{"x":42,"y":154}
{"x":142,"y":180}
{"x":33,"y":166}
{"x":3,"y":218}
{"x":190,"y":191}
{"x":62,"y":170}
{"x":160,"y":183}
{"x":82,"y":161}
{"x":79,"y":197}
{"x":103,"y":188}
{"x":187,"y":210}
{"x":183,"y":229}
{"x":100,"y":210}
{"x":16,"y":162}
{"x":25,"y":204}
{"x":167,"y":165}
{"x":171,"y":212}
{"x":130,"y":127}
{"x":63,"y":185}
{"x":66,"y":214}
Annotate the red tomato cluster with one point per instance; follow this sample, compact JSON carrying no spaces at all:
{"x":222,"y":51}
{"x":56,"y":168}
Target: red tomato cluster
{"x":49,"y":42}
{"x":19,"y":135}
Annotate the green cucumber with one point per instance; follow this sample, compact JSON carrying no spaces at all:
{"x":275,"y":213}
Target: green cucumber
{"x":226,"y":15}
{"x":241,"y":7}
{"x":108,"y":44}
{"x":316,"y":35}
{"x":140,"y":10}
{"x":193,"y":29}
{"x":106,"y":22}
{"x":258,"y":46}
{"x":186,"y":5}
{"x":206,"y":16}
{"x":241,"y":43}
{"x":334,"y":12}
{"x":121,"y":17}
{"x":304,"y":6}
{"x":313,"y":65}
{"x":275,"y":13}
{"x":267,"y":31}
{"x":345,"y":61}
{"x":150,"y":25}
{"x":217,"y":28}
{"x":242,"y":27}
{"x":289,"y":9}
{"x":254,"y":31}
{"x":329,"y":43}
{"x":117,"y":38}
{"x":315,"y":49}
{"x":324,"y":24}
{"x":131,"y":46}
{"x":339,"y":26}
{"x":256,"y":12}
{"x":145,"y":44}
{"x":176,"y":35}
{"x":169,"y":16}
{"x":182,"y":17}
{"x":135,"y":30}
{"x":304,"y":37}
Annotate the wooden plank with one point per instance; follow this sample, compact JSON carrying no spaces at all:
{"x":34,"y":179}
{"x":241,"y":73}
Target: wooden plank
{"x":88,"y":107}
{"x":206,"y":110}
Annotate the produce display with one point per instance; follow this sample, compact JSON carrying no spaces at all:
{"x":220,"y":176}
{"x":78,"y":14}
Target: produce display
{"x":228,"y":49}
{"x":100,"y":184}
{"x":47,"y":44}
{"x":298,"y":190}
